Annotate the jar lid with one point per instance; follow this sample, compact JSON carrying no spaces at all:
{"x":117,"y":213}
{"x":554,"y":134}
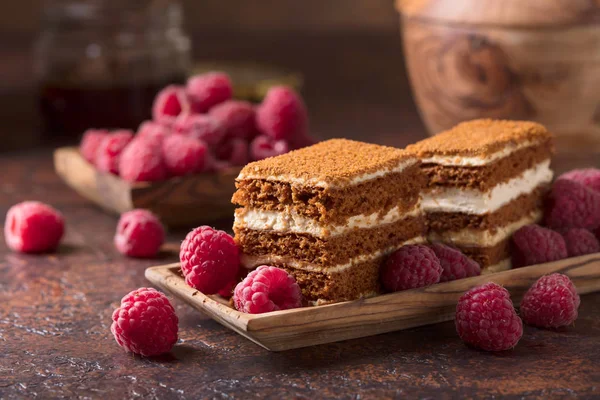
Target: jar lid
{"x":507,"y":13}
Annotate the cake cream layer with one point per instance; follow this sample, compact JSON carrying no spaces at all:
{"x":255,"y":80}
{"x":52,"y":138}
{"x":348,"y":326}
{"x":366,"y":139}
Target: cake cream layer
{"x":483,"y":237}
{"x":333,"y":205}
{"x":291,"y":222}
{"x":503,"y":265}
{"x":334,"y":250}
{"x":473,"y":201}
{"x":487,"y":256}
{"x":478,"y":161}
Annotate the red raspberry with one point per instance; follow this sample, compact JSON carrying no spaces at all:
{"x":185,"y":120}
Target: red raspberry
{"x":580,"y":241}
{"x":208,"y":90}
{"x":572,"y":205}
{"x":209,"y":259}
{"x":227,"y":290}
{"x":233,"y":151}
{"x":411,"y":267}
{"x":588,"y":177}
{"x":169,"y":103}
{"x":145,"y":323}
{"x":533,"y":244}
{"x":455,"y":265}
{"x":282,"y":114}
{"x":201,"y":127}
{"x":33,"y":227}
{"x":109,"y":152}
{"x":152,"y":131}
{"x":263,"y":147}
{"x":551,"y":302}
{"x":183,"y":155}
{"x":267,"y":289}
{"x":486,"y":318}
{"x":142,"y":162}
{"x":139,"y":234}
{"x":237,"y":117}
{"x":90,"y":142}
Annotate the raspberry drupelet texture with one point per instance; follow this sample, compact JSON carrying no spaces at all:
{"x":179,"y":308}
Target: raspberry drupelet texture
{"x":142,"y":161}
{"x":33,"y":227}
{"x":533,"y":244}
{"x":486,"y":318}
{"x":455,"y":265}
{"x":588,"y":177}
{"x":267,"y":289}
{"x":551,"y":302}
{"x":90,"y":142}
{"x":411,"y":267}
{"x":237,"y":118}
{"x":208,"y":90}
{"x":183,"y":155}
{"x":109,"y":152}
{"x":572,"y":205}
{"x":145,"y":323}
{"x":580,"y":241}
{"x":169,"y":103}
{"x":263,"y":147}
{"x":139,"y":234}
{"x":201,"y":127}
{"x":209,"y":259}
{"x":282,"y":114}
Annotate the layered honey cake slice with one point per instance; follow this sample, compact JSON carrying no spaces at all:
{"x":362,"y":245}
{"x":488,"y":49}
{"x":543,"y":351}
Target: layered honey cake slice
{"x":329,"y":214}
{"x":486,"y":179}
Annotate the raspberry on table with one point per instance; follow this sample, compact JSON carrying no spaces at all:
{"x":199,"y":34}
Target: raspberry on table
{"x":90,"y":142}
{"x":267,"y":289}
{"x":455,"y":265}
{"x":183,"y":155}
{"x":533,"y":244}
{"x":237,"y":118}
{"x":145,"y":323}
{"x":551,"y":302}
{"x":142,"y":161}
{"x":200,"y":126}
{"x":152,"y":131}
{"x":110,"y":150}
{"x":411,"y":267}
{"x":572,"y":205}
{"x":233,"y":151}
{"x":208,"y":90}
{"x":588,"y":177}
{"x":209,"y":258}
{"x":169,"y":103}
{"x":486,"y":318}
{"x":580,"y":241}
{"x":33,"y":227}
{"x":264,"y":146}
{"x":139,"y":234}
{"x":282,"y":114}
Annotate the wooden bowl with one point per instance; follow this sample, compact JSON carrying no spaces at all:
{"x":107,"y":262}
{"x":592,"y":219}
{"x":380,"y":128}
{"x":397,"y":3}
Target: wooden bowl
{"x":533,"y":60}
{"x":179,"y":202}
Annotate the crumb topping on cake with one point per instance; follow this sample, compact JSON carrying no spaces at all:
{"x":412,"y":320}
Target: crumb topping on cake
{"x":481,"y":137}
{"x":333,"y":162}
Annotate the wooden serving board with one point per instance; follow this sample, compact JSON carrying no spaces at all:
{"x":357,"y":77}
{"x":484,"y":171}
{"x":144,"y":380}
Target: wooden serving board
{"x":186,"y":201}
{"x":289,"y":329}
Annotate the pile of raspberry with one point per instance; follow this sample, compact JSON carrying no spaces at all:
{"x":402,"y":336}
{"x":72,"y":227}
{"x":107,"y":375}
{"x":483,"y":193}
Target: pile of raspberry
{"x":198,"y":128}
{"x":571,"y":225}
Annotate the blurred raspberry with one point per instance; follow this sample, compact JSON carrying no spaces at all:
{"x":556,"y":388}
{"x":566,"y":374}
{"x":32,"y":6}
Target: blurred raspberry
{"x":533,"y":244}
{"x":455,"y":265}
{"x":169,"y":103}
{"x":263,"y":147}
{"x":282,"y":114}
{"x":145,"y":323}
{"x":90,"y":142}
{"x":139,"y":234}
{"x":142,"y":162}
{"x":267,"y":289}
{"x":411,"y":267}
{"x":486,"y":318}
{"x":551,"y":302}
{"x":109,"y":152}
{"x":152,"y":131}
{"x":580,"y":241}
{"x":237,"y":118}
{"x":183,"y":155}
{"x":572,"y":205}
{"x":208,"y":90}
{"x":233,"y":151}
{"x":201,"y":127}
{"x":33,"y":227}
{"x":588,"y":177}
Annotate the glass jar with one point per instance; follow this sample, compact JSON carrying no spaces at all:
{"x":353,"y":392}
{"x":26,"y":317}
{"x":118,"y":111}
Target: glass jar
{"x":99,"y":63}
